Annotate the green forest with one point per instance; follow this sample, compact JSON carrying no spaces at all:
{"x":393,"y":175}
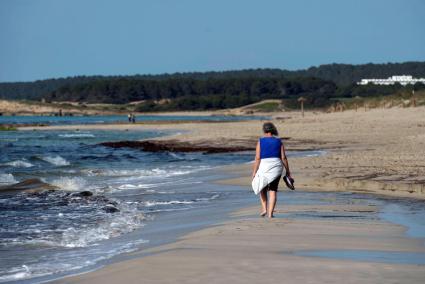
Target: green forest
{"x":321,"y":86}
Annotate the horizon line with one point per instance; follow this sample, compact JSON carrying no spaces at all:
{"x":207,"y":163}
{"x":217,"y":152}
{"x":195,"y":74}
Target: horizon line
{"x":210,"y":71}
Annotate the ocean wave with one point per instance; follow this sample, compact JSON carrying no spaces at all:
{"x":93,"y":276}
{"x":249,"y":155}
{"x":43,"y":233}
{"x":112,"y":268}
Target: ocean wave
{"x":7,"y":179}
{"x":121,"y":224}
{"x":56,"y":160}
{"x":77,"y":135}
{"x":158,"y":184}
{"x":16,"y":273}
{"x":63,"y":261}
{"x":126,"y":220}
{"x":137,"y":173}
{"x":19,"y":164}
{"x":70,"y":183}
{"x":137,"y":186}
{"x":134,"y":173}
{"x":80,"y":220}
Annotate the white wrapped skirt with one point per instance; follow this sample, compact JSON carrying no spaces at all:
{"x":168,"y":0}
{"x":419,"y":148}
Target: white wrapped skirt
{"x":268,"y":171}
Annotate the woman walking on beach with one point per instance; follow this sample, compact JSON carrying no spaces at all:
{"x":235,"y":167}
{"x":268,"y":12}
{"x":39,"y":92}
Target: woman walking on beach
{"x":270,"y":158}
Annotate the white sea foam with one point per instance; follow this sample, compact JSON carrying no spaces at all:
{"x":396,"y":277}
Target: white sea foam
{"x":123,"y":222}
{"x":137,"y":186}
{"x":127,"y":219}
{"x":19,"y":164}
{"x":127,"y":173}
{"x":154,"y":203}
{"x":66,"y":261}
{"x":159,"y":184}
{"x":56,"y":160}
{"x":70,"y":183}
{"x":17,"y":273}
{"x":137,"y":173}
{"x":77,"y":135}
{"x":7,"y":179}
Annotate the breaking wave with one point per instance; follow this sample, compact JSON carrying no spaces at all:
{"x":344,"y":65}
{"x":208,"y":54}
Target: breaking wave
{"x":7,"y":179}
{"x":156,"y":172}
{"x":56,"y":160}
{"x":70,"y":183}
{"x":19,"y":164}
{"x":71,"y":220}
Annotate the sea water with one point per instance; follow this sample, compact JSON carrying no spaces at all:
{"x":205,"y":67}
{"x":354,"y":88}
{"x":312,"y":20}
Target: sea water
{"x":101,"y":119}
{"x":104,"y":194}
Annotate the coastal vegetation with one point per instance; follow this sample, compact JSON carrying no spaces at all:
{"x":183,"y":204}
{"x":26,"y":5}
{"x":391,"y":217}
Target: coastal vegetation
{"x":398,"y":99}
{"x":321,"y":87}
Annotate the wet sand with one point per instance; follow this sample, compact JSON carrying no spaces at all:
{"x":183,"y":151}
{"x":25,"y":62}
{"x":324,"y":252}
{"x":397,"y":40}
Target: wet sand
{"x":251,"y":249}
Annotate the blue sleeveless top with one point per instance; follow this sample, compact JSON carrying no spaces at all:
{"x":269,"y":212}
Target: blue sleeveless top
{"x":270,"y":147}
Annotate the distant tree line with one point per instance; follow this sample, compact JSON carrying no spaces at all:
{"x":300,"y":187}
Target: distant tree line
{"x":209,"y":94}
{"x":342,"y":75}
{"x":191,"y":94}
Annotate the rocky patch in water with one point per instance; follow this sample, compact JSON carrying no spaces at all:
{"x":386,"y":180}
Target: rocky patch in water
{"x":29,"y":185}
{"x":178,"y":146}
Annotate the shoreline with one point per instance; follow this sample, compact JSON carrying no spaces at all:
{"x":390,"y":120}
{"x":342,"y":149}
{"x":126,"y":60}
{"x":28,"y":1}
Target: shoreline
{"x":292,"y":242}
{"x":168,"y":227}
{"x":248,"y":219}
{"x":375,"y":151}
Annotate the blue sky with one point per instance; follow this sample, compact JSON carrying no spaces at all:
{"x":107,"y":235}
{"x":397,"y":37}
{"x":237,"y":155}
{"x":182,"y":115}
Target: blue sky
{"x":57,"y":38}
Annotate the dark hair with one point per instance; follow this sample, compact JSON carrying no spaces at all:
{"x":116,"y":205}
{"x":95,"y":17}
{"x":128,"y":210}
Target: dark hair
{"x":269,"y":127}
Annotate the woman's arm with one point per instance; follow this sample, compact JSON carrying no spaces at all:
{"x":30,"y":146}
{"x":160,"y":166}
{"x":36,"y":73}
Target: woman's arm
{"x":285,"y":161}
{"x":257,"y":160}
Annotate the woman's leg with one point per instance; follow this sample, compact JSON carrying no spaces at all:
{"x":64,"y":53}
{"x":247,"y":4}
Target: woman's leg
{"x":272,"y":202}
{"x":263,"y":199}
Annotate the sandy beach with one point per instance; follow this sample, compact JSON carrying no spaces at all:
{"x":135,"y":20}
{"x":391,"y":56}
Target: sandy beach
{"x":379,"y":151}
{"x":254,"y":250}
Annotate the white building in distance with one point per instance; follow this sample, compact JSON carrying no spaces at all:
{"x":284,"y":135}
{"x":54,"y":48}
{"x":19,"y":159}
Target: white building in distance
{"x":402,"y":80}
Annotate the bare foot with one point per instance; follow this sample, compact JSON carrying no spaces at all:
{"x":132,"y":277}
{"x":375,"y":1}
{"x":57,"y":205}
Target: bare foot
{"x":264,"y":213}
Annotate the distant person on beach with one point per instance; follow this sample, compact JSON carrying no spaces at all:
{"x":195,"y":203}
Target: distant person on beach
{"x":270,"y":158}
{"x":133,"y":118}
{"x":129,"y":117}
